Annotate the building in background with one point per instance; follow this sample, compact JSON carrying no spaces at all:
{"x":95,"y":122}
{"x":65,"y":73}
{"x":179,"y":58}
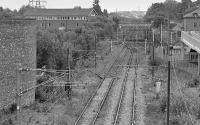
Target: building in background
{"x":192,"y":20}
{"x":61,"y":18}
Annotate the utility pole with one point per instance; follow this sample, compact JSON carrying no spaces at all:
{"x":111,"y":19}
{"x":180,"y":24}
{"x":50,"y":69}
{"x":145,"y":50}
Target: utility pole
{"x":161,"y":38}
{"x":68,"y":85}
{"x":111,"y":46}
{"x":145,"y":46}
{"x":18,"y":95}
{"x":95,"y":40}
{"x":153,"y":57}
{"x":168,"y":93}
{"x":171,"y":37}
{"x":168,"y":86}
{"x":153,"y":45}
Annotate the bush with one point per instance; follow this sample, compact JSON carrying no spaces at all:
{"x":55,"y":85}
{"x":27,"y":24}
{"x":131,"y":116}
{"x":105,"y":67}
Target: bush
{"x":9,"y":110}
{"x":156,"y":62}
{"x":62,"y":121}
{"x":194,"y":83}
{"x":163,"y":104}
{"x":8,"y":122}
{"x":38,"y":107}
{"x":177,"y":105}
{"x":175,"y":122}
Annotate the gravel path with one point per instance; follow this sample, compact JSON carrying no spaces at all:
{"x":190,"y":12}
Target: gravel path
{"x":93,"y":108}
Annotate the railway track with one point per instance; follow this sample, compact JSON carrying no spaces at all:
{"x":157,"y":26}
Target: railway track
{"x":125,"y":109}
{"x":92,"y":109}
{"x":120,"y":109}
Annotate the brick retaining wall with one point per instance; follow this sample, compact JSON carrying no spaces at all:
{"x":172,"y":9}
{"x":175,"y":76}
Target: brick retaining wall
{"x":18,"y":47}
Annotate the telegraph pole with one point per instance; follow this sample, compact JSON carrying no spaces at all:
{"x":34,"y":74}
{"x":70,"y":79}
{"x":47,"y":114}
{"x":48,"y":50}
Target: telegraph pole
{"x":68,"y":85}
{"x":168,"y":94}
{"x":18,"y":95}
{"x":153,"y":45}
{"x":153,"y":57}
{"x":161,"y":38}
{"x":95,"y":40}
{"x":168,"y":86}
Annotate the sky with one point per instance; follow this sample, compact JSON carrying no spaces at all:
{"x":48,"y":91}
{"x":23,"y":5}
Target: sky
{"x":110,"y":5}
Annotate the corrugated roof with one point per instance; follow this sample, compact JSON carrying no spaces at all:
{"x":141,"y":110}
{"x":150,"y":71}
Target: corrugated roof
{"x":191,"y":13}
{"x":58,"y":12}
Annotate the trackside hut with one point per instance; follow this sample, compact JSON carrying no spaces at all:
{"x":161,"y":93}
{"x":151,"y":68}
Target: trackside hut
{"x":61,"y":18}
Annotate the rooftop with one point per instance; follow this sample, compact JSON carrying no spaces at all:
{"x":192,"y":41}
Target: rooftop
{"x":191,"y":39}
{"x":59,"y":12}
{"x":194,"y":13}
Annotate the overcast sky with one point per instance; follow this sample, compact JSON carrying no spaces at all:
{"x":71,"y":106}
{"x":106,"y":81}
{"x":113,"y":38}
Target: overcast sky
{"x":110,"y":5}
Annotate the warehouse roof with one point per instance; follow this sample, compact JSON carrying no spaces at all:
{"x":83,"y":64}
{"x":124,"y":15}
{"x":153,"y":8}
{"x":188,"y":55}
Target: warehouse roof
{"x":60,"y":12}
{"x":195,"y":13}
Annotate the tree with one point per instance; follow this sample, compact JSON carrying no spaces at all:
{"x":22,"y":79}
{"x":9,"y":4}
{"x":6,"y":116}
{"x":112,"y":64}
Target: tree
{"x":97,"y":7}
{"x":157,"y":9}
{"x":116,"y":20}
{"x":171,"y":9}
{"x":105,"y":12}
{"x":7,"y":13}
{"x":159,"y":12}
{"x":23,"y":9}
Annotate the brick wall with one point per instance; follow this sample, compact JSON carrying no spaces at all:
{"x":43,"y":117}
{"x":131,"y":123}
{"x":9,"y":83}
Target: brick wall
{"x":192,"y":24}
{"x":18,"y":47}
{"x":55,"y":24}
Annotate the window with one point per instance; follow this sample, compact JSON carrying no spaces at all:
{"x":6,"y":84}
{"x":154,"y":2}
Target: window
{"x":49,"y":24}
{"x":195,"y":24}
{"x":195,"y":14}
{"x":83,"y":18}
{"x":77,"y":24}
{"x":42,"y":24}
{"x":62,"y":24}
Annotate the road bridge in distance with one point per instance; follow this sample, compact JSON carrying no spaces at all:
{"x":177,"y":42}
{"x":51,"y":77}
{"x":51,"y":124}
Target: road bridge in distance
{"x":135,"y":32}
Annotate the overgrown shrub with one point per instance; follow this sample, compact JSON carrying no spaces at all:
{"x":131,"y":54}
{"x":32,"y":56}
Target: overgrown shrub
{"x":193,"y":83}
{"x":156,"y":62}
{"x":8,"y":122}
{"x":177,"y":105}
{"x":62,"y":121}
{"x":13,"y":108}
{"x":9,"y":110}
{"x":175,"y":122}
{"x":163,"y":104}
{"x":38,"y":107}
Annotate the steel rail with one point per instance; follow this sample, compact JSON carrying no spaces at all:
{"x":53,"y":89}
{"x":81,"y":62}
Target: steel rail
{"x":102,"y":102}
{"x":101,"y":81}
{"x":122,"y":91}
